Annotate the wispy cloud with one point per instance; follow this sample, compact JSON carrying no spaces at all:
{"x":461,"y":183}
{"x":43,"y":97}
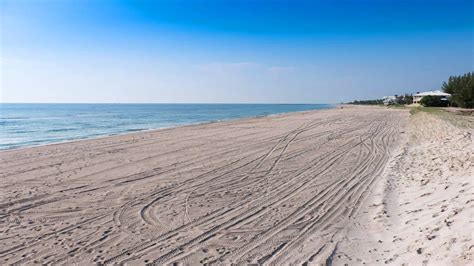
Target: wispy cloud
{"x":220,"y":66}
{"x":280,"y":69}
{"x":13,"y":61}
{"x":244,"y":66}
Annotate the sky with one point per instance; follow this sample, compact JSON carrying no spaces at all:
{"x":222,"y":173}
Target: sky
{"x":219,"y":51}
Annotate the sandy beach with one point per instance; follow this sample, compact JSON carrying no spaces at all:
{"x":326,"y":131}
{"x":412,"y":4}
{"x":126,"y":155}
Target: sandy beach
{"x":422,"y":211}
{"x":316,"y":187}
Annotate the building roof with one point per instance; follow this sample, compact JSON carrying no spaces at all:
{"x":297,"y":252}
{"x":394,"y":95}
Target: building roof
{"x":432,"y":93}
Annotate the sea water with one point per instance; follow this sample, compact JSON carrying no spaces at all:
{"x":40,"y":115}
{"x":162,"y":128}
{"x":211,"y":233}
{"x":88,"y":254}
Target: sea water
{"x":23,"y":125}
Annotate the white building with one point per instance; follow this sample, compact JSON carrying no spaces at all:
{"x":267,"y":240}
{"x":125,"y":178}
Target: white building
{"x":387,"y":100}
{"x":417,"y":97}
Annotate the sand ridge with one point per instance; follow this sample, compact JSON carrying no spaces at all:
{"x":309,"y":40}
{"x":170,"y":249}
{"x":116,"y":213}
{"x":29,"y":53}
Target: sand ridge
{"x":422,"y":211}
{"x":271,"y":190}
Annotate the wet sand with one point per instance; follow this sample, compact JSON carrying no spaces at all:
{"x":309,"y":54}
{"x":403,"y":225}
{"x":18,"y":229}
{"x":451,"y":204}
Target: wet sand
{"x":279,"y":189}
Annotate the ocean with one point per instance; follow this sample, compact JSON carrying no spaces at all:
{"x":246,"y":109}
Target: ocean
{"x":24,"y":125}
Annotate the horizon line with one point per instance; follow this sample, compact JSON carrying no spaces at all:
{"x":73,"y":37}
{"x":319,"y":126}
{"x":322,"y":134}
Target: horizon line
{"x":160,"y":103}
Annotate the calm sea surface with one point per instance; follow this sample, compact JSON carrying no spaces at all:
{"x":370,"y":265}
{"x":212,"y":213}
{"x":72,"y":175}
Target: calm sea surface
{"x":35,"y":124}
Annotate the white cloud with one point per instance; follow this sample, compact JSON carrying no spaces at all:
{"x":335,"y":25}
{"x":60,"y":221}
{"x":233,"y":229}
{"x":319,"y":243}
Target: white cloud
{"x":280,"y":69}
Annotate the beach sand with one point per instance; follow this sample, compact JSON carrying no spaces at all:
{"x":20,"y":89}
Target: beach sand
{"x":293,"y":188}
{"x":422,"y":211}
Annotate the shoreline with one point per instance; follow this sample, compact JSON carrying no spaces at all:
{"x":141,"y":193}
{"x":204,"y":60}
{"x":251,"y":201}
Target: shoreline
{"x":165,"y":128}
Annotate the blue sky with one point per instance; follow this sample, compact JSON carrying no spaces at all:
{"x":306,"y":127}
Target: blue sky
{"x":230,"y":51}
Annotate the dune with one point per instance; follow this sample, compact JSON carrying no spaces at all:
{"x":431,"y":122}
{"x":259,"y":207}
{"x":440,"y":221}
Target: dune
{"x":422,"y":211}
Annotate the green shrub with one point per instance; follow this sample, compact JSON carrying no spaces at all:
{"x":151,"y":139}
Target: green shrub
{"x":432,"y":101}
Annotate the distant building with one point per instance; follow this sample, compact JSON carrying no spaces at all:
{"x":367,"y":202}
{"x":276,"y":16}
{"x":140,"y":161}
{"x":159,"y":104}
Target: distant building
{"x":388,"y":100}
{"x":418,"y":96}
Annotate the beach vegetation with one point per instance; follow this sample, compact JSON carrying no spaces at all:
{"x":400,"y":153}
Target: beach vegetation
{"x":458,"y":119}
{"x":433,"y":101}
{"x":414,"y":110}
{"x":462,"y":90}
{"x":404,"y":99}
{"x":368,"y":102}
{"x":396,"y":100}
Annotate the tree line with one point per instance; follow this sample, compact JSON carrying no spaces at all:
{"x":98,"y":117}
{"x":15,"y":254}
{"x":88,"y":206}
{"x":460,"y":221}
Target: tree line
{"x":462,"y":90}
{"x":367,"y":102}
{"x":399,"y":99}
{"x":460,"y":87}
